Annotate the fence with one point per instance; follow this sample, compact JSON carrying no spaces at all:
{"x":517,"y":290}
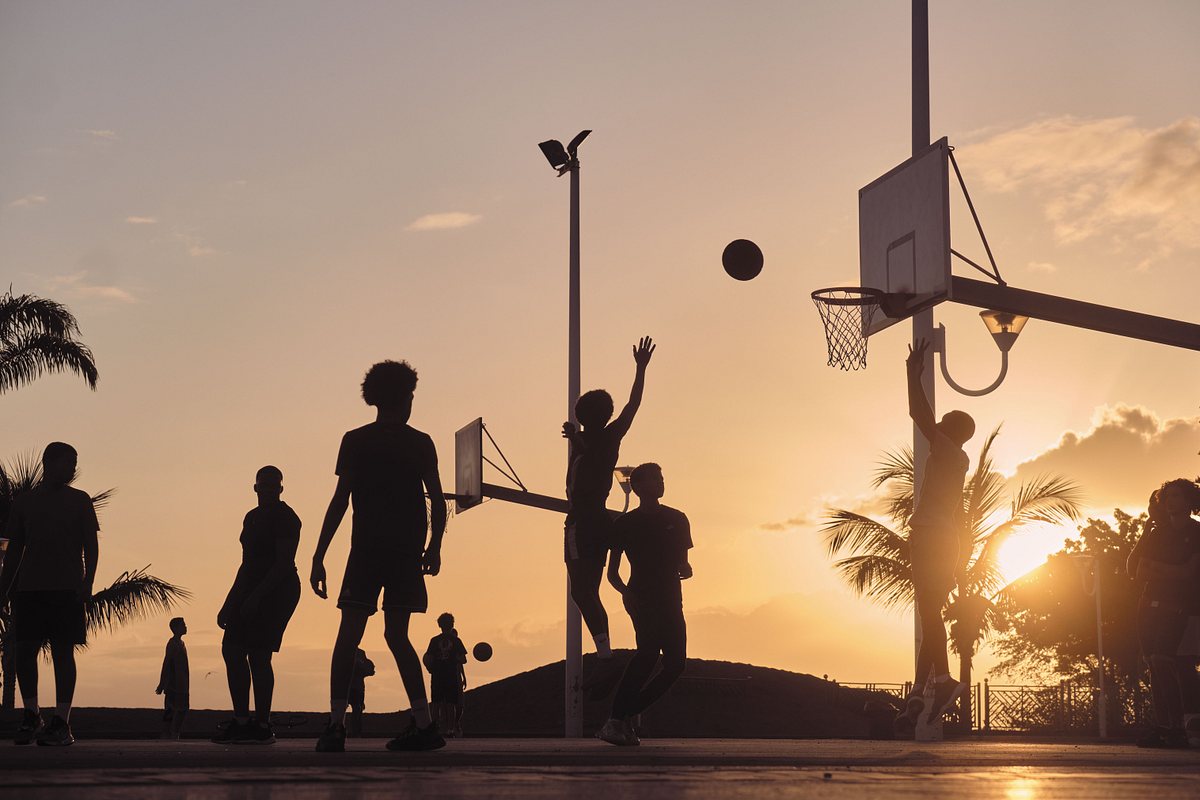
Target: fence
{"x":1066,"y":707}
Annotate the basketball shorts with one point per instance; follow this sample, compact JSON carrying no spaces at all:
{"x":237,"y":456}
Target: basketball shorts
{"x":445,"y":687}
{"x":398,"y":578}
{"x":49,"y":616}
{"x":934,"y":554}
{"x":587,"y":535}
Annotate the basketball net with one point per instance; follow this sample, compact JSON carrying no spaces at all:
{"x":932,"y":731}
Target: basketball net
{"x":847,"y":312}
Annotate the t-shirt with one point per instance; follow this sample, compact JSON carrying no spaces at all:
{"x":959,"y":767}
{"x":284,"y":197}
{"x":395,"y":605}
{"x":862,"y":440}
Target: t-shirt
{"x":386,"y":466}
{"x":175,"y":677}
{"x":940,"y":503}
{"x":267,"y":532}
{"x":1175,"y":545}
{"x":53,"y":522}
{"x":590,"y":473}
{"x":445,"y":654}
{"x":656,"y":540}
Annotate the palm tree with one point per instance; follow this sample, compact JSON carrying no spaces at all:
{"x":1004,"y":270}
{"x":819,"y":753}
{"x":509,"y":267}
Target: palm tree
{"x":133,"y":595}
{"x":875,"y":557}
{"x":37,"y":336}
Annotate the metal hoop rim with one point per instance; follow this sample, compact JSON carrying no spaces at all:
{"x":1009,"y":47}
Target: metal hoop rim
{"x":866,"y":296}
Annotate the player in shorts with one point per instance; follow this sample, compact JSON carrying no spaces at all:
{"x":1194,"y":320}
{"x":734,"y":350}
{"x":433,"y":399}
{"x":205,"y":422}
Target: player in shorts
{"x":386,"y":468}
{"x":1166,"y":560}
{"x":936,"y":531}
{"x":656,"y":539}
{"x":174,"y":681}
{"x":444,"y":658}
{"x":595,"y":448}
{"x":48,"y":573}
{"x":258,"y":608}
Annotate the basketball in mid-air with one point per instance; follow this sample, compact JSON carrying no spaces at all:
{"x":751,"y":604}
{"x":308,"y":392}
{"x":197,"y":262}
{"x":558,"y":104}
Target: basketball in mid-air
{"x":742,"y":259}
{"x":482,"y":651}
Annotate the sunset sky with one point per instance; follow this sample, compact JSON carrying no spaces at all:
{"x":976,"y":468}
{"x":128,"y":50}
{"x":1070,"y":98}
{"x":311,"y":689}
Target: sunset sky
{"x":247,"y":204}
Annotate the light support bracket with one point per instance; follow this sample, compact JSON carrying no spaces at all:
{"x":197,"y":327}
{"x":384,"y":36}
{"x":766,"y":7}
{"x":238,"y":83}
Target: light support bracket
{"x":939,"y":346}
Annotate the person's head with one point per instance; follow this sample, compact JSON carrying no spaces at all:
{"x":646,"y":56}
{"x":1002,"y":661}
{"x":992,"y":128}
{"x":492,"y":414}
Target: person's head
{"x":594,"y":409}
{"x":59,"y":461}
{"x":178,"y":626}
{"x":647,"y":482}
{"x":957,"y":426}
{"x":268,"y":483}
{"x":445,"y":621}
{"x":1179,"y":498}
{"x":389,"y":386}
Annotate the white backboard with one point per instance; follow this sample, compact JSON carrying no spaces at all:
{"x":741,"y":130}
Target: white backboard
{"x":468,"y":466}
{"x":904,"y":235}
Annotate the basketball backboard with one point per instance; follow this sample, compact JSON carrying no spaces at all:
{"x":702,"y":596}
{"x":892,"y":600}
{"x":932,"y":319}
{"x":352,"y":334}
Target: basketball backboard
{"x":468,"y":466}
{"x":904,"y":236}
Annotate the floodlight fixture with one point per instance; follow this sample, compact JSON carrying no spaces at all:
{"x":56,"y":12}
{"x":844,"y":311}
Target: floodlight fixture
{"x":555,"y":153}
{"x":573,"y":145}
{"x":1004,"y":326}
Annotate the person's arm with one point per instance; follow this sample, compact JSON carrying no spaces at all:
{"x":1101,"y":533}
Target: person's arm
{"x":918,"y":403}
{"x":15,"y":533}
{"x":286,"y":544}
{"x":571,"y":434}
{"x":641,"y":357}
{"x":614,"y":571}
{"x":164,"y":675}
{"x":91,"y":554}
{"x":685,"y":540}
{"x":462,"y":676}
{"x":333,"y":518}
{"x":431,"y":563}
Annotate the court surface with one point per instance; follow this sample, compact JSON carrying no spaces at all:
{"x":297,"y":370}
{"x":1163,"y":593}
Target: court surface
{"x":583,"y":768}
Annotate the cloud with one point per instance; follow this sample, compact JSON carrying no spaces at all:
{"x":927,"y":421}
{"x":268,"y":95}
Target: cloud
{"x":1101,"y":179}
{"x":101,"y":133}
{"x":869,"y":505}
{"x":78,"y":284}
{"x":1128,"y":452}
{"x":444,"y":221}
{"x":142,"y":220}
{"x":1041,"y":266}
{"x":797,"y":521}
{"x":28,"y":201}
{"x":195,"y":246}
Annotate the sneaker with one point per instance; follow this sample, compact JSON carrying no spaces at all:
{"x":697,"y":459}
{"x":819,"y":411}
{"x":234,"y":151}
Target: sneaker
{"x":256,"y":733}
{"x":56,"y":734}
{"x":414,"y":738}
{"x":618,"y":732}
{"x":944,"y":696}
{"x":332,"y":739}
{"x":31,"y":725}
{"x":229,"y":732}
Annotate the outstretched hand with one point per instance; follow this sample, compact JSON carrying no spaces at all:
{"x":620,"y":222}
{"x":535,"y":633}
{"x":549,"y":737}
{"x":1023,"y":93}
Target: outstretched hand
{"x":569,"y":431}
{"x":317,"y":580}
{"x":916,"y":358}
{"x":643,"y":351}
{"x":431,"y":562}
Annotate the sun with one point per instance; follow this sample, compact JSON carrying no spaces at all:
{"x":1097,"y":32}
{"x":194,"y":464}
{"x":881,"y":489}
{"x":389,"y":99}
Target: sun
{"x":1028,"y":549}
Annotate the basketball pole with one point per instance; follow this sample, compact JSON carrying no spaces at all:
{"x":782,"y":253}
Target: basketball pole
{"x":922,"y":321}
{"x":573,"y":724}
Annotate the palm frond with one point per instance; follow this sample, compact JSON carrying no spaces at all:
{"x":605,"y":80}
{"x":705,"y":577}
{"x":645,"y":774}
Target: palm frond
{"x":887,"y":581}
{"x":1047,"y":498}
{"x":21,"y":315}
{"x":30,"y":356}
{"x":133,"y":595}
{"x":847,"y":531}
{"x":896,"y":472}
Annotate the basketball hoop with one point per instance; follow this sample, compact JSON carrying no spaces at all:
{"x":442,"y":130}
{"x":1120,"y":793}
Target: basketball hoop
{"x":846,"y":312}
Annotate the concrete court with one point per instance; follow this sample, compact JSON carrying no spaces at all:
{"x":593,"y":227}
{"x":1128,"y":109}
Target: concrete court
{"x":584,"y":769}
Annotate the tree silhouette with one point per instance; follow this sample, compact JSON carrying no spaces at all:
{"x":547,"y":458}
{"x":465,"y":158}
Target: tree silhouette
{"x":133,"y":595}
{"x":873,"y":558}
{"x":37,"y":337}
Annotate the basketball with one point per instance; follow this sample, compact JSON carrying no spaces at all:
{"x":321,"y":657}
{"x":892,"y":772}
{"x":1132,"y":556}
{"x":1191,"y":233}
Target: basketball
{"x":482,"y":651}
{"x":742,"y":259}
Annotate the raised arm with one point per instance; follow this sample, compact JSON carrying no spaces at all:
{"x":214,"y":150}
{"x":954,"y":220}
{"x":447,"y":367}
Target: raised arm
{"x":333,"y":518}
{"x":641,"y":357}
{"x":918,"y":403}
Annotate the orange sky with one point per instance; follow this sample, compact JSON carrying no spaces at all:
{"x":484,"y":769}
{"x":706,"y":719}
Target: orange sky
{"x":248,"y":204}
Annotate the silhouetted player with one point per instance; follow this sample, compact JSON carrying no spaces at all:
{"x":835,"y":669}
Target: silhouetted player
{"x":656,"y":538}
{"x":48,"y":574}
{"x":363,"y":669}
{"x":174,"y":681}
{"x":386,"y":468}
{"x":444,"y":658}
{"x":257,"y":609}
{"x":936,"y":529}
{"x":1166,"y":560}
{"x":594,"y":452}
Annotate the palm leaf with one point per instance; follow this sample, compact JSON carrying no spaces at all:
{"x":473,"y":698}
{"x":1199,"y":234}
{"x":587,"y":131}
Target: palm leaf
{"x":133,"y":595}
{"x":25,"y":314}
{"x":30,"y":356}
{"x":847,"y":531}
{"x":887,"y":581}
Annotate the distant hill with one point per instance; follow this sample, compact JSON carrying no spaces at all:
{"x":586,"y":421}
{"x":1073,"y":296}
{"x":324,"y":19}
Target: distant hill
{"x":712,"y":699}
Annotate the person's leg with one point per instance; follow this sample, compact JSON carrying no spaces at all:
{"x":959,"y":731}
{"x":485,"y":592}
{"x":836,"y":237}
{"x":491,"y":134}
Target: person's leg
{"x":395,"y":633}
{"x":355,"y":727}
{"x":178,"y":714}
{"x":1164,"y":688}
{"x":263,"y":676}
{"x":673,"y":642}
{"x":458,"y":715}
{"x":341,"y":666}
{"x":638,"y":670}
{"x":25,"y":657}
{"x":62,"y":655}
{"x":585,"y":575}
{"x":237,"y":674}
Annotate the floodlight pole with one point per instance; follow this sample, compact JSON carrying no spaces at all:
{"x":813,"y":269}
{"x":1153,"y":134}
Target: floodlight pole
{"x":922,"y":321}
{"x":573,"y":725}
